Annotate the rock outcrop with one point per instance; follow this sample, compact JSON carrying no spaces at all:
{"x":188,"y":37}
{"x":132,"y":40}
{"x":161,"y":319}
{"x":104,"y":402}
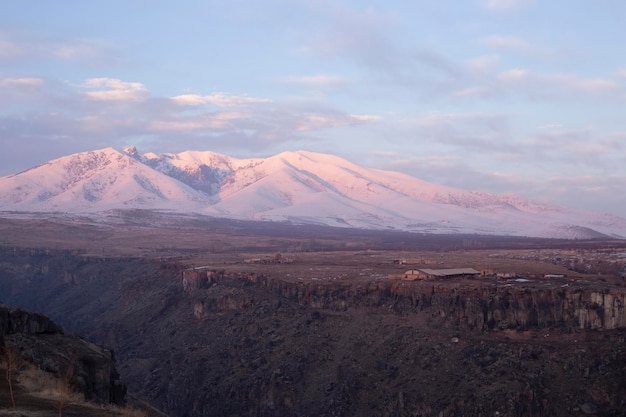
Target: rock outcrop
{"x":279,"y":347}
{"x":40,"y":341}
{"x":480,"y":307}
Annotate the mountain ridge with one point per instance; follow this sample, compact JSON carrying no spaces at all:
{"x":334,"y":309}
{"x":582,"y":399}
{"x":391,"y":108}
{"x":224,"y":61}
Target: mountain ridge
{"x":294,"y":186}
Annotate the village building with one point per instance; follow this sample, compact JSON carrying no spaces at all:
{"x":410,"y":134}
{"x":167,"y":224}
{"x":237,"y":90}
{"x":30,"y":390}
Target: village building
{"x":427,"y":273}
{"x":554,"y":276}
{"x":414,"y":261}
{"x":487,"y":272}
{"x":506,"y":275}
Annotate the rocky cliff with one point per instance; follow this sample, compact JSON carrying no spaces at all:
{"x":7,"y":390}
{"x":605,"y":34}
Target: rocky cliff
{"x":40,"y":341}
{"x":480,"y":307}
{"x":244,"y":340}
{"x":396,"y":348}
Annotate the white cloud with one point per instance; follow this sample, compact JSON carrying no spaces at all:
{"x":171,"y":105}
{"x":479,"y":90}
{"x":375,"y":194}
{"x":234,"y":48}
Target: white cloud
{"x":113,"y":112}
{"x":483,"y":62}
{"x":507,"y":43}
{"x":514,"y":75}
{"x":602,"y":193}
{"x":112,"y":89}
{"x":506,"y":5}
{"x":464,"y":133}
{"x":541,"y":85}
{"x":319,"y":80}
{"x":476,"y":91}
{"x":550,"y":126}
{"x":573,"y":149}
{"x":319,"y":121}
{"x":209,"y":121}
{"x":386,"y":154}
{"x":217,"y":99}
{"x":79,"y":50}
{"x":21,"y":82}
{"x":87,"y":52}
{"x":362,"y":35}
{"x":9,"y":48}
{"x":591,"y":85}
{"x":559,"y":85}
{"x":365,"y":117}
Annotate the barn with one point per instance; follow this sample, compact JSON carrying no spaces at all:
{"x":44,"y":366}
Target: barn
{"x":427,"y":273}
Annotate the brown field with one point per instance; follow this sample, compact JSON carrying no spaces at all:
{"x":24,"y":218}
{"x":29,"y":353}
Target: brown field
{"x":317,"y":253}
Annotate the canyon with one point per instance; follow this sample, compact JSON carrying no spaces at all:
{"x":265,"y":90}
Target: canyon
{"x":266,"y":322}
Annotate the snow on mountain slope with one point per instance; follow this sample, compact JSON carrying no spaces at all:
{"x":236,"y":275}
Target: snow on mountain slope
{"x":93,"y":181}
{"x":301,"y":187}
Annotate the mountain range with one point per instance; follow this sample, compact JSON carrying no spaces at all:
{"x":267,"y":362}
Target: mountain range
{"x":298,"y":187}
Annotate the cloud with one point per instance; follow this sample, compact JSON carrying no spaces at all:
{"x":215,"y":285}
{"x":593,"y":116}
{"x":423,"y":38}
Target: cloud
{"x":594,"y":86}
{"x":214,"y":121}
{"x":363,"y":36}
{"x":320,"y":121}
{"x":320,"y":80}
{"x":218,"y":99}
{"x":596,"y":191}
{"x":112,"y":89}
{"x":382,"y":54}
{"x":601,"y":193}
{"x":86,"y":52}
{"x":506,"y":6}
{"x":438,"y":62}
{"x":536,"y":85}
{"x":64,"y":117}
{"x":89,"y":53}
{"x":507,"y":43}
{"x":580,"y":144}
{"x":518,"y":45}
{"x":483,"y":62}
{"x":21,"y":82}
{"x":559,"y":85}
{"x":10,"y":48}
{"x":481,"y":151}
{"x":468,"y":131}
{"x":475,"y":91}
{"x":456,"y":171}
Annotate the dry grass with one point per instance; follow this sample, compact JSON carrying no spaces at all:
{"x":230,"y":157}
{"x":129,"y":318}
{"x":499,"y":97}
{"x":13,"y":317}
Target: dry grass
{"x":129,"y":411}
{"x":46,"y":385}
{"x":60,"y":396}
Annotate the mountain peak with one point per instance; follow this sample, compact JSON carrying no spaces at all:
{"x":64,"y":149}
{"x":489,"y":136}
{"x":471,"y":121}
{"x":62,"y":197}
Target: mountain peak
{"x":294,"y":186}
{"x":131,"y":150}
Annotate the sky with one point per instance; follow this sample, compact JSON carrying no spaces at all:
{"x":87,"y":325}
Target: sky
{"x":501,"y":96}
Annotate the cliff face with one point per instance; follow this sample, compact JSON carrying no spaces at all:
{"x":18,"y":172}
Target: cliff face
{"x":397,"y":348}
{"x":43,"y":343}
{"x":210,"y":342}
{"x":481,"y":307}
{"x":15,"y":320}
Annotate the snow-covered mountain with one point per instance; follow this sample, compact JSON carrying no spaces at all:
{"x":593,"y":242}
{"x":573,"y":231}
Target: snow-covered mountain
{"x":299,"y":187}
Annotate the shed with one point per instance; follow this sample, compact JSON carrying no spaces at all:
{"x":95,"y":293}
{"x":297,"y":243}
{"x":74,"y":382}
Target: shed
{"x":425,"y":273}
{"x":449,"y":273}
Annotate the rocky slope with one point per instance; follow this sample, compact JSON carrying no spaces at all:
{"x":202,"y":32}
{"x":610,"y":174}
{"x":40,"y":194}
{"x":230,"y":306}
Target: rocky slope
{"x":476,"y":308}
{"x":43,"y":343}
{"x":223,"y":342}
